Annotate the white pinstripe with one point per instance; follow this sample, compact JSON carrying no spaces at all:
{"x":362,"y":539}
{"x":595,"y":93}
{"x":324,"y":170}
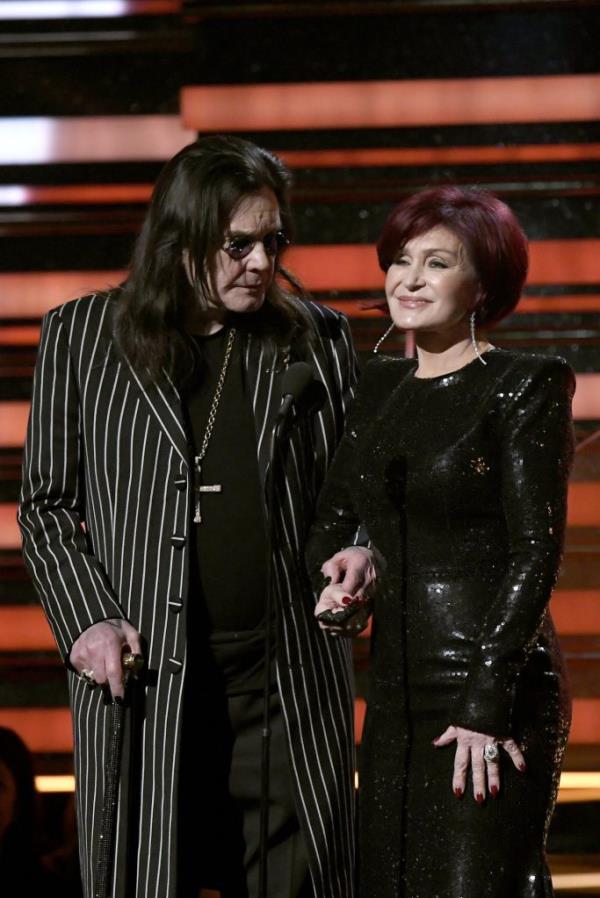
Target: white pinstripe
{"x":135,"y":446}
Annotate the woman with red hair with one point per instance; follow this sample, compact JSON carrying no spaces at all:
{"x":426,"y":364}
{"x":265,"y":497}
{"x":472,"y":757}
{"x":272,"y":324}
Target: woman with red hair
{"x":457,"y":464}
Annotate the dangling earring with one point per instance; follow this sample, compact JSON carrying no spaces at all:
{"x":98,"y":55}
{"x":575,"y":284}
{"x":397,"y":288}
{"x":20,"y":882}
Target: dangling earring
{"x":381,"y":339}
{"x":474,"y":337}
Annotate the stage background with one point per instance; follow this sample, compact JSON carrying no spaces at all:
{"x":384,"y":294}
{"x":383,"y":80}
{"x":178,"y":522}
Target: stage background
{"x":366,"y":102}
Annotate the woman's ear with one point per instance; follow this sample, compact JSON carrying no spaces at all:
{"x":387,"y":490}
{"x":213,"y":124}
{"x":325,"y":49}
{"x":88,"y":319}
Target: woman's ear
{"x":478,"y":300}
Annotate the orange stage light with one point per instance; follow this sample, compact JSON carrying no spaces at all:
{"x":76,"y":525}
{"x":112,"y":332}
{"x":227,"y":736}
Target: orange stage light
{"x":391,"y":104}
{"x":43,"y":730}
{"x":32,"y":294}
{"x":586,"y":402}
{"x":31,"y":140}
{"x":360,"y":708}
{"x":584,"y":504}
{"x":10,"y":536}
{"x":73,"y":194}
{"x":410,"y":156}
{"x":13,"y":423}
{"x":585,"y":729}
{"x":19,"y":335}
{"x":24,"y":628}
{"x":576,"y":612}
{"x":328,"y":267}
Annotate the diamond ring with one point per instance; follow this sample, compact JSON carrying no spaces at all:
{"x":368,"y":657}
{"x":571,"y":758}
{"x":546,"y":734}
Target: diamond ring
{"x":491,"y":752}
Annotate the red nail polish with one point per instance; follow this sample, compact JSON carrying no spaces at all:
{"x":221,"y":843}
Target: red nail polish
{"x":494,"y":791}
{"x":347,"y":600}
{"x":522,"y":767}
{"x":479,"y":798}
{"x":458,"y":792}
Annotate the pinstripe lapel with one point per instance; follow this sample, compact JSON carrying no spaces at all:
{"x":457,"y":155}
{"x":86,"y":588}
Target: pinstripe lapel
{"x":264,"y":368}
{"x":165,"y":404}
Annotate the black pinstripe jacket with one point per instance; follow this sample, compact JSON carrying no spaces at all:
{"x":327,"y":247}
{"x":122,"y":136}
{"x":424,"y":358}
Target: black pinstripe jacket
{"x":105,"y":523}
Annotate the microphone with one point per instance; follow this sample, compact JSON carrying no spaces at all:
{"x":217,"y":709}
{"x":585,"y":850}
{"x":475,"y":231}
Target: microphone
{"x":297,"y":380}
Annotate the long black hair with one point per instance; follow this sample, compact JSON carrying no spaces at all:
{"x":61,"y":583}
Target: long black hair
{"x":190,"y":208}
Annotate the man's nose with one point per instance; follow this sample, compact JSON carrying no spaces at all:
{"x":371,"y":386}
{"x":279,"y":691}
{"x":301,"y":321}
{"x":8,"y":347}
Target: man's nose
{"x":257,"y":259}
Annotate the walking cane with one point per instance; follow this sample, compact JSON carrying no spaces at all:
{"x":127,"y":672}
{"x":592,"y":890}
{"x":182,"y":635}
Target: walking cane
{"x":132,"y":665}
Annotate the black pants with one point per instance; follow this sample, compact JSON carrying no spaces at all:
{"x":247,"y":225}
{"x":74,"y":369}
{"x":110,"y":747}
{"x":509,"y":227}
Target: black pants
{"x":220,"y":803}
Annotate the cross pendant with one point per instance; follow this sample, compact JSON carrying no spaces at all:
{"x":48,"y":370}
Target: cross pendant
{"x":202,"y":488}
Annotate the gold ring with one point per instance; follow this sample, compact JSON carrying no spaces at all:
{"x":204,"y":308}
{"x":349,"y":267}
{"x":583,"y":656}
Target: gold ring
{"x":132,"y":662}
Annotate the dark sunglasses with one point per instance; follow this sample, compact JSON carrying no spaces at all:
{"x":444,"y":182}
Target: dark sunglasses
{"x":241,"y":246}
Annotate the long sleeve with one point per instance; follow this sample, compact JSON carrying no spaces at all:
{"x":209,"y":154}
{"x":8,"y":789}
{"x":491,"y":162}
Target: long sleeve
{"x":536,"y":452}
{"x":71,"y":583}
{"x":336,"y":519}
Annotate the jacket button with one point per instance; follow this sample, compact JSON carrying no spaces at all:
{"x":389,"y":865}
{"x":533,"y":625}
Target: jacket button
{"x":178,"y":542}
{"x":175,"y":605}
{"x":174,"y":665}
{"x":181,"y":483}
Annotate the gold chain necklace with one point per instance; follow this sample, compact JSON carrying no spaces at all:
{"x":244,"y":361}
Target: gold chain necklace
{"x":200,"y":487}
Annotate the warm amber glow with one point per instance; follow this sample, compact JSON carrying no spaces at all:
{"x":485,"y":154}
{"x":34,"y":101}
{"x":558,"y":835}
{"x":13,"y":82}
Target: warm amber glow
{"x":360,"y":707}
{"x":391,"y":156}
{"x":576,"y":611}
{"x":585,"y":728}
{"x":586,"y":402}
{"x":583,"y":302}
{"x":329,"y":267}
{"x":584,"y":503}
{"x":36,"y":140}
{"x":10,"y":537}
{"x":568,"y":881}
{"x":580,"y":779}
{"x":13,"y":424}
{"x":70,"y":194}
{"x":55,"y":783}
{"x":390,"y":104}
{"x":24,"y":628}
{"x":41,"y":729}
{"x":32,"y":294}
{"x":19,"y":335}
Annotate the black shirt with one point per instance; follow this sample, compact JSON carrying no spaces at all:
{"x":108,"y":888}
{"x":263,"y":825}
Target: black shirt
{"x":228,"y":578}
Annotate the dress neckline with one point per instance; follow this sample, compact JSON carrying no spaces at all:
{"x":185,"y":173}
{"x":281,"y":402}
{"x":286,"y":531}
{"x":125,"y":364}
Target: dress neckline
{"x":450,"y":374}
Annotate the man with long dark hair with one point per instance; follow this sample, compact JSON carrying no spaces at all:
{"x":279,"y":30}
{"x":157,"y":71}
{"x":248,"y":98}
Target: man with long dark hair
{"x":144,"y":528}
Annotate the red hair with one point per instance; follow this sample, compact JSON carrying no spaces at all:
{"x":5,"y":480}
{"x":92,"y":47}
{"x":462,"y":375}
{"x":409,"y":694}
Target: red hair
{"x":488,"y":229}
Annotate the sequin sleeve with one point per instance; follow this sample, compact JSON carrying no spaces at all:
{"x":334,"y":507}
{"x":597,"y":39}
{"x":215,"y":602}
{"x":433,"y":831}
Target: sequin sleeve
{"x":537,"y":449}
{"x":336,"y":518}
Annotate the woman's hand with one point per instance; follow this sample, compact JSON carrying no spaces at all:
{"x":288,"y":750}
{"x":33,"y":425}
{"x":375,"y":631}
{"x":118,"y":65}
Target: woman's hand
{"x":340,"y":613}
{"x":477,"y":750}
{"x":352,"y":568}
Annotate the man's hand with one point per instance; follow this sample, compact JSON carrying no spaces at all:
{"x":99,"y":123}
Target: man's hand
{"x":353,"y":569}
{"x":99,"y":650}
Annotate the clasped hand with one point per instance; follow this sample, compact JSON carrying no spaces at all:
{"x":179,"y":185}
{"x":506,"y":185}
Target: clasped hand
{"x":470,"y":747}
{"x":352,"y":574}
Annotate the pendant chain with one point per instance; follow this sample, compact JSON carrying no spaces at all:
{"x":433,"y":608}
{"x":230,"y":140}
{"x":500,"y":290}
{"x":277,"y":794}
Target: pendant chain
{"x":216,"y":398}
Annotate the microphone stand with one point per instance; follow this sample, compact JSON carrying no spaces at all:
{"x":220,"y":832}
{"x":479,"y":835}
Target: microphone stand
{"x":276,"y":435}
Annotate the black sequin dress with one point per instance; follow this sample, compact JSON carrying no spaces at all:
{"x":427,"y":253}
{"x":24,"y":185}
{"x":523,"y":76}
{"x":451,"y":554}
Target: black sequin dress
{"x":461,"y":482}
